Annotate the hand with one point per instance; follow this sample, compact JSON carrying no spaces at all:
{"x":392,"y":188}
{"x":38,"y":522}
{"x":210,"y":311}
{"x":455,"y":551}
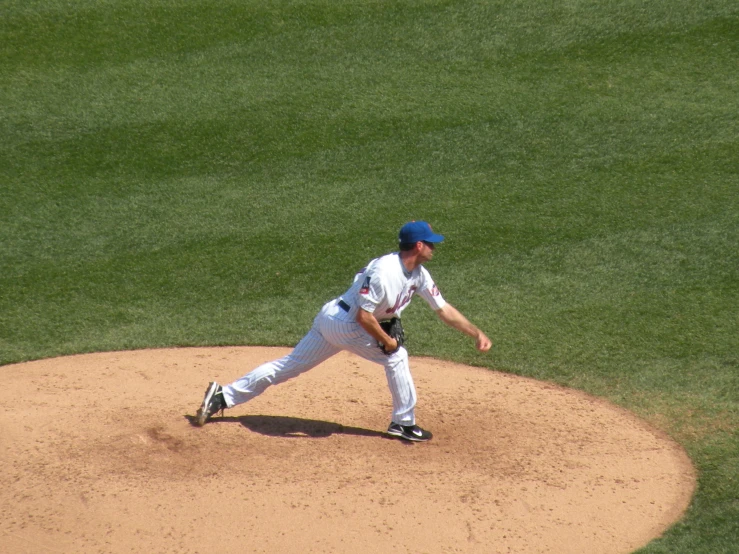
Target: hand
{"x":483,"y":343}
{"x":391,"y":345}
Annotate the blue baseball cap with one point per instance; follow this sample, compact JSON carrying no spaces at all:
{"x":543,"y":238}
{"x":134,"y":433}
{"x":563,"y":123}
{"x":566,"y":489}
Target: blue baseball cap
{"x":412,"y":232}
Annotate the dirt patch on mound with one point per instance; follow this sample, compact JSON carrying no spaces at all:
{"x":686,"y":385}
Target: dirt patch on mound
{"x":98,"y":454}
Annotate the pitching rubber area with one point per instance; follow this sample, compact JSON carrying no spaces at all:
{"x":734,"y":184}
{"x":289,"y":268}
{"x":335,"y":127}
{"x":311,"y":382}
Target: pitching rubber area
{"x":98,"y":454}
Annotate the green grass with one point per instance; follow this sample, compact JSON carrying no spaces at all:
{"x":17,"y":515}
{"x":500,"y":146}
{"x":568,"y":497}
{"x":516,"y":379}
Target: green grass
{"x":198,"y":173}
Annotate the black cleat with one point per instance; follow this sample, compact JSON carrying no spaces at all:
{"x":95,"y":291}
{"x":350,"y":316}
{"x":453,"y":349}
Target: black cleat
{"x":212,"y":403}
{"x":409,"y":432}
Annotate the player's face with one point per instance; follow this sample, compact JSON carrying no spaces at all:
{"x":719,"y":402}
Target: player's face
{"x":427,"y":250}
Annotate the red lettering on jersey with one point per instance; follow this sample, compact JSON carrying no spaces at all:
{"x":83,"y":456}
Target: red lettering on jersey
{"x":435,"y":291}
{"x":400,"y":303}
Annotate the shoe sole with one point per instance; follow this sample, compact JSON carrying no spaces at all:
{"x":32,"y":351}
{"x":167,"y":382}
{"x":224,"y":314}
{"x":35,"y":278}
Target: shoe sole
{"x":202,"y":415}
{"x":411,"y":438}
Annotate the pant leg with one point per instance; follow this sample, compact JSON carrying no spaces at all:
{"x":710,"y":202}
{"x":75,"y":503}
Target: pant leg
{"x":399,"y":380}
{"x":310,"y":351}
{"x":349,"y":335}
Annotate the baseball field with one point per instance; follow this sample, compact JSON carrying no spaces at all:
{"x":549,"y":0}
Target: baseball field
{"x":183,"y":183}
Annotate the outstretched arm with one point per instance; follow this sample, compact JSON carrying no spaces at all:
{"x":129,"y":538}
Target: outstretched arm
{"x":452,"y":317}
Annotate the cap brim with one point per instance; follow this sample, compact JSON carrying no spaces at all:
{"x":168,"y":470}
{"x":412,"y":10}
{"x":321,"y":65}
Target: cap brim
{"x":435,"y":238}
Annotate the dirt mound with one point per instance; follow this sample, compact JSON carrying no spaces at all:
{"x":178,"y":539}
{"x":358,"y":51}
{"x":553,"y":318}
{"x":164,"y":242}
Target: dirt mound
{"x":97,"y":454}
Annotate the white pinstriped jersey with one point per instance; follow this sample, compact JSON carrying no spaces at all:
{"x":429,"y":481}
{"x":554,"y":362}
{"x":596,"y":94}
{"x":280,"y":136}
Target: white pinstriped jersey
{"x":385,"y":288}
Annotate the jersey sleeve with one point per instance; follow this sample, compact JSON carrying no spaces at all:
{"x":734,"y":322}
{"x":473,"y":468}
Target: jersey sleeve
{"x":430,"y":292}
{"x":371,"y":292}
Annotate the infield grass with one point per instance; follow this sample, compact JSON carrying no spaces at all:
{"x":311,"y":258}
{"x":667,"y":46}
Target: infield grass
{"x":201,"y":173}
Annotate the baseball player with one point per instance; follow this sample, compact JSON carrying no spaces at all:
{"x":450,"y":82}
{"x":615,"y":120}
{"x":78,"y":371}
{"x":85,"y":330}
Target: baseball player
{"x":359,"y":321}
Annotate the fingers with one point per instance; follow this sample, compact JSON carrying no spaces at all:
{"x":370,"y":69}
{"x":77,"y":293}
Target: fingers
{"x":483,"y":343}
{"x":389,"y":347}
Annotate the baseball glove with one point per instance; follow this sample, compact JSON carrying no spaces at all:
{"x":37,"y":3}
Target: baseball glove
{"x":394,"y":328}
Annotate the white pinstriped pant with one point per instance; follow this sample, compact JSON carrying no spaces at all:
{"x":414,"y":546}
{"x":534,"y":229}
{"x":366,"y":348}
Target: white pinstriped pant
{"x":331,"y":333}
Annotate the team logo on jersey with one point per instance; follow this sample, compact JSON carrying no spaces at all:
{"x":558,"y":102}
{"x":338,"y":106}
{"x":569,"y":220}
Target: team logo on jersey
{"x":402,"y":300}
{"x":435,"y":291}
{"x":365,"y":286}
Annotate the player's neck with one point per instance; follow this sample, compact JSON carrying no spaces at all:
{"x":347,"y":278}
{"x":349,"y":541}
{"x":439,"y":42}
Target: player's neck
{"x":409,"y":260}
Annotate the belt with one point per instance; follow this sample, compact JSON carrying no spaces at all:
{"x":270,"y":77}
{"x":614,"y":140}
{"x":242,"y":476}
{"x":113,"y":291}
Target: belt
{"x":344,"y":306}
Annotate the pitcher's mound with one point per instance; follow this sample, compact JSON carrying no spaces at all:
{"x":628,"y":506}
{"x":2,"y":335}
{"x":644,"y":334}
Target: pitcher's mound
{"x":97,"y":454}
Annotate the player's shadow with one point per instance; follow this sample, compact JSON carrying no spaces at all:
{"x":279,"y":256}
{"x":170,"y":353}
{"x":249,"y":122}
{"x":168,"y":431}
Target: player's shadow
{"x":296,"y":427}
{"x":282,"y":426}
